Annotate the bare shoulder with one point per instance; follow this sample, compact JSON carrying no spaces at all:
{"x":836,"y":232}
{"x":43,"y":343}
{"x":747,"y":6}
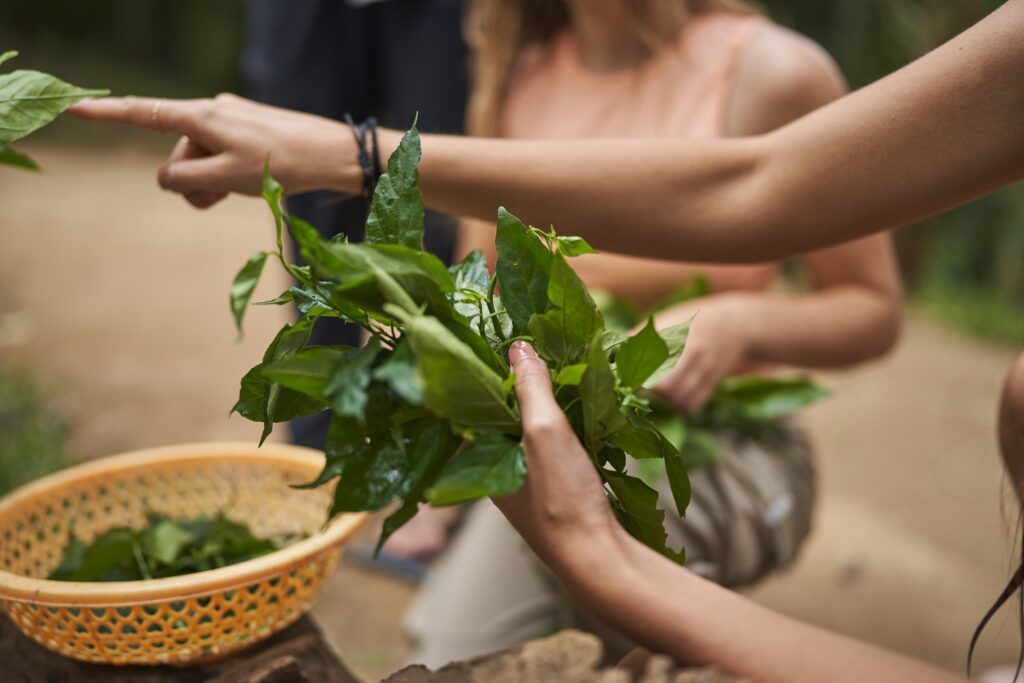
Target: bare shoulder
{"x":781,"y":75}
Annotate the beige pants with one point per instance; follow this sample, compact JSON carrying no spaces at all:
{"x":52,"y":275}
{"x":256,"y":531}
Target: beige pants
{"x":488,"y":592}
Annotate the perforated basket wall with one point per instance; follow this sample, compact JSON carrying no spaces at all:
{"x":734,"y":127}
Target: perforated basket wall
{"x":180,"y":620}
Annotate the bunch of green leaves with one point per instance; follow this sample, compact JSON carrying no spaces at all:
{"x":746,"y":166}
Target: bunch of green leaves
{"x":164,"y":547}
{"x":744,"y":406}
{"x":28,"y":101}
{"x":750,"y":407}
{"x":426,"y":411}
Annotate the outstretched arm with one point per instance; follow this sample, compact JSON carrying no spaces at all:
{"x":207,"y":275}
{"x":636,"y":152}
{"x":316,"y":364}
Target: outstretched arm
{"x":562,"y":513}
{"x":935,"y":134}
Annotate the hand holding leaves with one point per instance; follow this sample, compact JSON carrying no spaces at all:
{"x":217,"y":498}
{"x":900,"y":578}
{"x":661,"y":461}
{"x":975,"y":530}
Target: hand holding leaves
{"x":426,"y":412}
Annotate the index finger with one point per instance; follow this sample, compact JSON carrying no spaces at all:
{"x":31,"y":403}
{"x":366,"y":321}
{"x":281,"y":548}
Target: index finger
{"x":537,"y":405}
{"x":160,"y":115}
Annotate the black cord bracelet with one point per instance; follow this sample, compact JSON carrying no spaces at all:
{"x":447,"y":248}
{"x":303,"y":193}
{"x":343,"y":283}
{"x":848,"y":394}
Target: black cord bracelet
{"x":365,"y":135}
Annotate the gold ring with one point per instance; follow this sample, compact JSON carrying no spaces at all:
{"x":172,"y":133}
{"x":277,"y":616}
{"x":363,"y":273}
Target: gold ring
{"x":155,"y":115}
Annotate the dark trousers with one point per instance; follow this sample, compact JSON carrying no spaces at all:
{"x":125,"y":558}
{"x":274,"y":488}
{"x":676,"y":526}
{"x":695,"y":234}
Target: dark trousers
{"x":389,"y":59}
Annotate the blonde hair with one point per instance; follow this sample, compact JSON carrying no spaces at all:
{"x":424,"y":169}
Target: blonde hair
{"x":497,"y":31}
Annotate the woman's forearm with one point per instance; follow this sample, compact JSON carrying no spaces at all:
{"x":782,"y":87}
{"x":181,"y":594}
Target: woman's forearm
{"x":832,"y":328}
{"x":667,"y":609}
{"x":935,"y":134}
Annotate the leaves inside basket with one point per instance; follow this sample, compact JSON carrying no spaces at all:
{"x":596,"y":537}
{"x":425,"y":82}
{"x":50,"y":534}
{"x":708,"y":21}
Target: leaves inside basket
{"x":164,"y":547}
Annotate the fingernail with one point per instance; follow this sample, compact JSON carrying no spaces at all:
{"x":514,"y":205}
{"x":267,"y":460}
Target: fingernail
{"x":520,"y":350}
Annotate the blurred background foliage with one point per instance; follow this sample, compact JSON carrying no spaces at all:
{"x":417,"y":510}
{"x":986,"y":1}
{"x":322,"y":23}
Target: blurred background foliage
{"x":967,"y":267}
{"x":27,"y":425}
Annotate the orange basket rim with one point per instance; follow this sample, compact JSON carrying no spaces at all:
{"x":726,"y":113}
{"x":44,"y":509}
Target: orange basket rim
{"x":20,"y":588}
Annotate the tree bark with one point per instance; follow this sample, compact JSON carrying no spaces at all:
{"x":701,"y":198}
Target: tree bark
{"x":299,"y":654}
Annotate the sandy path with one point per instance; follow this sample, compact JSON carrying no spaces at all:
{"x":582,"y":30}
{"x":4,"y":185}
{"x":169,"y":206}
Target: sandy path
{"x":119,"y":293}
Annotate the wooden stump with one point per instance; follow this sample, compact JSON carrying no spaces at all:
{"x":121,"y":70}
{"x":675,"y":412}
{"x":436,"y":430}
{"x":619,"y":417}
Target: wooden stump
{"x":298,"y":654}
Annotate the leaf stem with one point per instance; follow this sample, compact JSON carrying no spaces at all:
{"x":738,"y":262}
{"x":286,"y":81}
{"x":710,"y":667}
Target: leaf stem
{"x":494,"y":309}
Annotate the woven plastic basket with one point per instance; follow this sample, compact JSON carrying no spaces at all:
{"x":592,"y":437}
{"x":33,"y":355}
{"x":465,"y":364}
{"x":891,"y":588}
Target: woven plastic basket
{"x":182,"y":620}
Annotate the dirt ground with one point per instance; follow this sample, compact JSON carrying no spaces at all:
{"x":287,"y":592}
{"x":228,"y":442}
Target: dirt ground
{"x":115,"y":294}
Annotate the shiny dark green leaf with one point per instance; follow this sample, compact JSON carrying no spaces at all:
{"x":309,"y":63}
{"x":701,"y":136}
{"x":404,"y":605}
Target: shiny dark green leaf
{"x":396,"y":213}
{"x":433,"y":444}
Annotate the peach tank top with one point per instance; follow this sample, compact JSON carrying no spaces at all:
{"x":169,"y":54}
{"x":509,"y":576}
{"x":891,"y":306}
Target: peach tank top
{"x":683,"y":91}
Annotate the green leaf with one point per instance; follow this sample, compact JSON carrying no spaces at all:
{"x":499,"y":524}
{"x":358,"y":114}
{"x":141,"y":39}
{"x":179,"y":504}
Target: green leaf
{"x":699,"y":449}
{"x":573,"y":246}
{"x":480,"y":347}
{"x":472,"y":282}
{"x":433,"y":444}
{"x":345,"y":436}
{"x":399,"y":372}
{"x":396,"y":213}
{"x":109,"y":557}
{"x":678,"y":479}
{"x":523,"y":269}
{"x":308,"y":370}
{"x":272,"y":193}
{"x":643,"y":440}
{"x":636,"y":505}
{"x":616,"y":457}
{"x":357,"y":268}
{"x":675,"y":341}
{"x":611,"y":340}
{"x":571,"y":374}
{"x":640,"y":356}
{"x":280,"y":300}
{"x":349,"y":380}
{"x":29,"y":100}
{"x":11,"y":157}
{"x":768,"y":398}
{"x":165,"y":547}
{"x":244,"y":285}
{"x":10,"y":54}
{"x":374,"y":476}
{"x":165,"y":540}
{"x":457,"y":385}
{"x":263,"y":400}
{"x":602,"y":416}
{"x":471,"y":273}
{"x":490,"y":466}
{"x":564,"y":332}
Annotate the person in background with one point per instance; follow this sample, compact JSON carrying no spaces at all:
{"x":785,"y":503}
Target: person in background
{"x":390,"y":59}
{"x":568,"y":69}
